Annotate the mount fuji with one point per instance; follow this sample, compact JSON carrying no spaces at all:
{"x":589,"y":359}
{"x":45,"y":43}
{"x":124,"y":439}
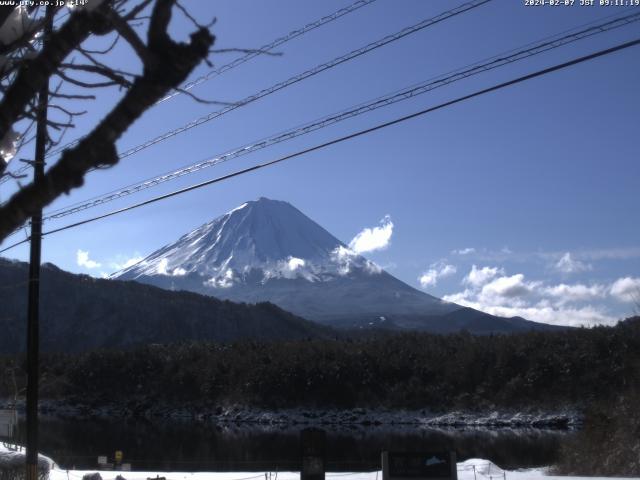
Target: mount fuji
{"x":267,"y":250}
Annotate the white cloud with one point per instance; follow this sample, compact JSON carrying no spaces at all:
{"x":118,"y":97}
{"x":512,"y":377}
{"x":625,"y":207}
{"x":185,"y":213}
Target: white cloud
{"x":372,"y":267}
{"x":294,"y":263}
{"x":290,"y":268}
{"x":626,"y":289}
{"x":161,"y":269}
{"x":464,"y":251}
{"x":344,"y":258}
{"x":479,"y":276}
{"x":435,"y":272}
{"x":428,"y":278}
{"x":572,"y":316}
{"x":344,"y":261}
{"x":448,"y":270}
{"x":564,"y":293}
{"x":461,"y":298}
{"x":222,"y":281}
{"x":514,"y":295}
{"x":126,"y":263}
{"x":568,"y":264}
{"x":509,"y":287}
{"x":371,"y":239}
{"x":83,"y":260}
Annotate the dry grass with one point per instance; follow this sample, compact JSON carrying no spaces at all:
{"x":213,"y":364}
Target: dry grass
{"x":609,"y":445}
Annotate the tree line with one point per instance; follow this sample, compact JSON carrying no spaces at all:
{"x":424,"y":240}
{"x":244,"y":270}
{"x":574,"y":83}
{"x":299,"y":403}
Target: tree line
{"x":576,"y":367}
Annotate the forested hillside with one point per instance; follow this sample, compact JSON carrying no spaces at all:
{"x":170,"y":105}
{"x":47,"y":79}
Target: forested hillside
{"x":80,"y":313}
{"x":536,"y":369}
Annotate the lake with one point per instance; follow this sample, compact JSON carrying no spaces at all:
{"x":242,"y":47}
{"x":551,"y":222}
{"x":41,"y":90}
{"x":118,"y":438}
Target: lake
{"x":201,"y":446}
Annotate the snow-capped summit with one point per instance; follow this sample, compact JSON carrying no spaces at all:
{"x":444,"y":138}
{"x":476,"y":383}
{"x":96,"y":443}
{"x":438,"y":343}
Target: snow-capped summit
{"x":267,"y":237}
{"x":267,"y":250}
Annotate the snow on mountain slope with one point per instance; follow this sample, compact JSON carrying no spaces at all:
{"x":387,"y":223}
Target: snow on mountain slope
{"x":267,"y":236}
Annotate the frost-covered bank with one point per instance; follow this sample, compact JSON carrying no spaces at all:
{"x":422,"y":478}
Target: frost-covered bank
{"x":564,"y":419}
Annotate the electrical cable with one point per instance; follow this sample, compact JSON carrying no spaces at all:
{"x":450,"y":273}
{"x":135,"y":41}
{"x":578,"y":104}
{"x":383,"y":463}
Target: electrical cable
{"x":228,"y":66}
{"x":359,"y":133}
{"x":401,"y":95}
{"x":268,"y":47}
{"x":248,"y":56}
{"x":308,"y":74}
{"x":305,"y":75}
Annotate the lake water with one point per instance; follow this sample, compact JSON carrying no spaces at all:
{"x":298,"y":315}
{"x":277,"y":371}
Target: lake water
{"x":194,"y":446}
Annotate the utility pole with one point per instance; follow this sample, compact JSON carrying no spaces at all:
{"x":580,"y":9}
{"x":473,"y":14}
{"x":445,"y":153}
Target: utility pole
{"x":33,"y":309}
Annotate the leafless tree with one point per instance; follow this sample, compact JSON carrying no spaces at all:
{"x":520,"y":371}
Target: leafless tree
{"x":74,"y":71}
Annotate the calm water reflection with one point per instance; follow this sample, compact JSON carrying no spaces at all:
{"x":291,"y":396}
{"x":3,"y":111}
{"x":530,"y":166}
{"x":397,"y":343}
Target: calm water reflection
{"x":189,"y":446}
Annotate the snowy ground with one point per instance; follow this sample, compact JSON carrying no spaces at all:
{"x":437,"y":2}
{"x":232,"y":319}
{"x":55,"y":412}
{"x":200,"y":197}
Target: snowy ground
{"x":472,"y":469}
{"x":13,"y":456}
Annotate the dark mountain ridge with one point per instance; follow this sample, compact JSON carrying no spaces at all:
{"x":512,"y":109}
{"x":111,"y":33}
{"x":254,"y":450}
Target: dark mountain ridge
{"x":81,"y":313}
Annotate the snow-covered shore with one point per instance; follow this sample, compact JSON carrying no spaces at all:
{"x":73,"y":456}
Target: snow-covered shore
{"x":472,"y":469}
{"x":561,"y":419}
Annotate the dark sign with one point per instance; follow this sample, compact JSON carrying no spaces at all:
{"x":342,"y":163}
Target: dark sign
{"x":415,"y":465}
{"x":313,"y":443}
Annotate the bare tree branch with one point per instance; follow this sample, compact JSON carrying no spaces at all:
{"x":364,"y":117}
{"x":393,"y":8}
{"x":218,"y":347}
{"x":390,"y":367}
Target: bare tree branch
{"x":204,"y":100}
{"x":73,"y":97}
{"x":136,"y":10}
{"x":190,"y":17}
{"x":170,"y":65}
{"x":80,"y":83}
{"x":125,"y":30}
{"x":66,"y":111}
{"x":113,"y":75}
{"x":111,"y":46}
{"x":34,"y":73}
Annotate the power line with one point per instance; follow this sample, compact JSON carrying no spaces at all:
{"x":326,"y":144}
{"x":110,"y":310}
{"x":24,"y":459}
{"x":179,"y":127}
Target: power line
{"x":268,"y":47}
{"x":286,"y":83}
{"x":249,"y":55}
{"x":359,"y":133}
{"x":401,"y":95}
{"x":307,"y":74}
{"x":7,"y":176}
{"x":231,"y":65}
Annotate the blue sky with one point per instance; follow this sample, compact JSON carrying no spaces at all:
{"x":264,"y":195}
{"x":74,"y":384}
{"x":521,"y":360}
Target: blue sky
{"x":520,"y":202}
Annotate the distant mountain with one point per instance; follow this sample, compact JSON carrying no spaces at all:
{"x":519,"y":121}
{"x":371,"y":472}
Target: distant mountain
{"x":267,"y":250}
{"x":79,"y":312}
